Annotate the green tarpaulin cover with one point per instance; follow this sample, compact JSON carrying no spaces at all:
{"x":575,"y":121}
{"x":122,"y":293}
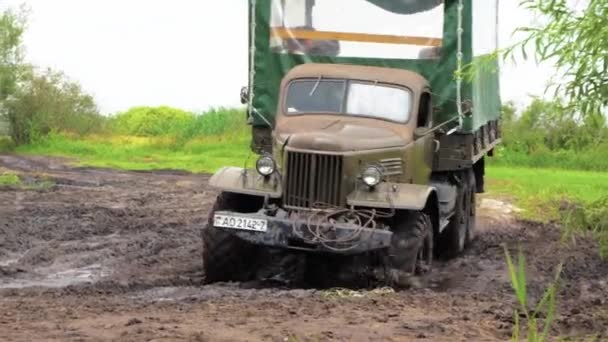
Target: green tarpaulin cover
{"x":268,"y":65}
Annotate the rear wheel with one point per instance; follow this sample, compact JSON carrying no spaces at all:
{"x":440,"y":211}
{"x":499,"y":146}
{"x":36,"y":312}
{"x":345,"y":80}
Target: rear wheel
{"x":225,"y":256}
{"x":454,"y":239}
{"x":411,"y":251}
{"x":472,"y":208}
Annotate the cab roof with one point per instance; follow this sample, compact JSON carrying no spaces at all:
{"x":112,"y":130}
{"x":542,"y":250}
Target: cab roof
{"x":406,"y":78}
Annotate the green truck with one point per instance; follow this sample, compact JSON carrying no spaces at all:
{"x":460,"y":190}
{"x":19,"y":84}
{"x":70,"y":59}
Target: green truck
{"x":371,"y":141}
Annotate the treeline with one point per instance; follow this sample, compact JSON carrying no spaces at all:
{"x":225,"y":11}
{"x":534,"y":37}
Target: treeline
{"x":548,"y":134}
{"x":35,"y":102}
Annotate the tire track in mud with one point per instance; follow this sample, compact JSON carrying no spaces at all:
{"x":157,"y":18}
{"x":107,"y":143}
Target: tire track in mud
{"x":102,"y":248}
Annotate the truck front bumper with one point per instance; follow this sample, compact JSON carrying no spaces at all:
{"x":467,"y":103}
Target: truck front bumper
{"x":296,"y":235}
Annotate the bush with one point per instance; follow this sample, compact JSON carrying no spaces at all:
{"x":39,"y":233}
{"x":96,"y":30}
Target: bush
{"x":218,"y":122}
{"x":151,"y":121}
{"x":548,"y":135}
{"x":176,"y":123}
{"x":50,"y":102}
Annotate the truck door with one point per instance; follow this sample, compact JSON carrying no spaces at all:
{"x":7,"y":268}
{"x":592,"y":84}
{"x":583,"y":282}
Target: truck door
{"x":424,"y":144}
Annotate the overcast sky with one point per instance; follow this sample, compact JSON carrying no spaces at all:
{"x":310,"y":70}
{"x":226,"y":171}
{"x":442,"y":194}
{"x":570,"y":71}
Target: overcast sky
{"x":184,"y":53}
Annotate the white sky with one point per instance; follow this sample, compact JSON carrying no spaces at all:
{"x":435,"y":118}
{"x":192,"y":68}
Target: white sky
{"x":190,"y":54}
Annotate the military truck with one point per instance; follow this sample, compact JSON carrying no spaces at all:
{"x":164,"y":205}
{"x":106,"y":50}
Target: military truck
{"x":371,"y":136}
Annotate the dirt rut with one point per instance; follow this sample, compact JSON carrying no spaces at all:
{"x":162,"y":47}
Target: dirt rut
{"x":94,"y":254}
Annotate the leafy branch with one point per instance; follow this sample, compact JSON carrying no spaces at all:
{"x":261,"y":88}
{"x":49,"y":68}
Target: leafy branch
{"x":573,"y":38}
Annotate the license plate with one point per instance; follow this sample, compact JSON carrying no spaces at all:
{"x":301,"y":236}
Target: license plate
{"x":242,"y":223}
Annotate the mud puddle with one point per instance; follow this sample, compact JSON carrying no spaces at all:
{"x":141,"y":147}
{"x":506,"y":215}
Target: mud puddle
{"x":85,"y":275}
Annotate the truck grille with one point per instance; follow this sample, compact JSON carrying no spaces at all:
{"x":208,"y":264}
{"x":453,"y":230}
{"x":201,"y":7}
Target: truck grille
{"x":312,"y":180}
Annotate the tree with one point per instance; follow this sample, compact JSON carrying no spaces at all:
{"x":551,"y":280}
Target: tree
{"x":12,"y":27}
{"x":49,"y":101}
{"x":573,"y":37}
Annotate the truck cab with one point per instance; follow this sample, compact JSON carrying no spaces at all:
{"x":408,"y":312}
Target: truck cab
{"x":376,"y":119}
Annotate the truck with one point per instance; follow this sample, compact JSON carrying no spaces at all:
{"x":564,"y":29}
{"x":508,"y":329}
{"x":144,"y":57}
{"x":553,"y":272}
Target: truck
{"x":371,"y":131}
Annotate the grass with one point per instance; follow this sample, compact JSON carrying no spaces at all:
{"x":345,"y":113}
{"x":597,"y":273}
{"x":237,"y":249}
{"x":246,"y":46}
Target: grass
{"x":541,"y":192}
{"x":589,"y":159}
{"x":9,"y":179}
{"x":156,"y":138}
{"x":146,"y":153}
{"x":537,"y":329}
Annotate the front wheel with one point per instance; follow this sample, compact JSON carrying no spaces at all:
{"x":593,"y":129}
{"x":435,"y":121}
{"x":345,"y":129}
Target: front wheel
{"x":411,"y":250}
{"x":225,"y":256}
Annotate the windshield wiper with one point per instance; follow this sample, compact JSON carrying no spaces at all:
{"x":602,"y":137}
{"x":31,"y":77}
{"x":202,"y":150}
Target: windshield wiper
{"x":314,"y":89}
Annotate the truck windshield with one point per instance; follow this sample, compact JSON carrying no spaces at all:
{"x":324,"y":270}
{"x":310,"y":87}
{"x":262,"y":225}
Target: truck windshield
{"x":355,"y":98}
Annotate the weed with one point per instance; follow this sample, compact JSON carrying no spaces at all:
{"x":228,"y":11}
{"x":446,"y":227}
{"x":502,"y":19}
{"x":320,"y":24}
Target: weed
{"x":592,"y":217}
{"x":536,"y":331}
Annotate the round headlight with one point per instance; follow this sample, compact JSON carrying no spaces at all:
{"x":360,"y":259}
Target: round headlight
{"x":265,"y":166}
{"x":372,"y":176}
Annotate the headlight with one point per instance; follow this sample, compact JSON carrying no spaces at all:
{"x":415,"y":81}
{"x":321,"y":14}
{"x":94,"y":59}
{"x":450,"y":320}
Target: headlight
{"x":372,"y":176}
{"x":265,"y":166}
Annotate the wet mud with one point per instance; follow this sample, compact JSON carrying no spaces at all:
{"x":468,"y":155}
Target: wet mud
{"x":93,"y":254}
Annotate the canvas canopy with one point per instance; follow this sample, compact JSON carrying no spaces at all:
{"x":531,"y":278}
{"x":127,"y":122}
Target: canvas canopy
{"x":417,"y":35}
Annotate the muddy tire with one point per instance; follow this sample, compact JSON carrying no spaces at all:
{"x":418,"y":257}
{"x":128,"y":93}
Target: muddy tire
{"x":472,"y":209}
{"x":226,"y":257}
{"x":453,"y":239}
{"x":411,"y":251}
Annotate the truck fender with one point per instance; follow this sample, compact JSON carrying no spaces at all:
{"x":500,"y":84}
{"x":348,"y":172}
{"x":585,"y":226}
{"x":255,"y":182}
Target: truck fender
{"x":400,"y":197}
{"x":392,"y":195}
{"x":247,"y":182}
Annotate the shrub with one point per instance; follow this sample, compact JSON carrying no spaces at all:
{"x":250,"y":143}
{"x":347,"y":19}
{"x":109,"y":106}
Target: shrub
{"x":219,"y":121}
{"x":152,"y":121}
{"x":49,"y":102}
{"x":176,"y":123}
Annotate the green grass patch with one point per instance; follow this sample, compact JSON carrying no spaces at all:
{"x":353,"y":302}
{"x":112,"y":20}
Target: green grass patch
{"x":590,"y":159}
{"x":169,"y":139}
{"x":137,"y":153}
{"x":542,"y":192}
{"x":9,"y":179}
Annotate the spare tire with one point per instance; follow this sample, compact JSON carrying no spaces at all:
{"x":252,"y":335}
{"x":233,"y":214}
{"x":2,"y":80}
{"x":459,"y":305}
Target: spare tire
{"x":406,"y":6}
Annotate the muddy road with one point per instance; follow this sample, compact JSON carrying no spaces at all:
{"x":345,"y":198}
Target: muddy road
{"x":91,"y":254}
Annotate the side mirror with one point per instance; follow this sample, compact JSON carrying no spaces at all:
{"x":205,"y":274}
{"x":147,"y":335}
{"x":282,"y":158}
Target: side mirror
{"x":421,"y":132}
{"x":244,"y":95}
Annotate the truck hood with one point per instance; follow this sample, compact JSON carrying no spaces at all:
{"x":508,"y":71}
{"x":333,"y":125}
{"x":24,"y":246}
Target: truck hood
{"x":338,"y":135}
